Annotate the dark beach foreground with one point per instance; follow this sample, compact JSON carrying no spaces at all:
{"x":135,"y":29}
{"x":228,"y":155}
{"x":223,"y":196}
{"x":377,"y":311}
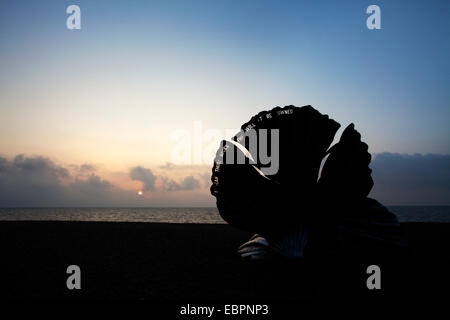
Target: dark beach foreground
{"x":194,"y":262}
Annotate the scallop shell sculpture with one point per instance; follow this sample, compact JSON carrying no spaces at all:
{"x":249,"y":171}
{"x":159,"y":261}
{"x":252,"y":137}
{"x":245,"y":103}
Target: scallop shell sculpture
{"x":297,"y":207}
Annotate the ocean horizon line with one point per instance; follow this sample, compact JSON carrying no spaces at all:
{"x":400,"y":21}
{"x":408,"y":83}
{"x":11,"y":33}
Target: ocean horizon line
{"x":181,"y":207}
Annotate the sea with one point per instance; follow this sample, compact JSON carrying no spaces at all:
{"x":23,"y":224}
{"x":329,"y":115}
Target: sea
{"x":184,"y":215}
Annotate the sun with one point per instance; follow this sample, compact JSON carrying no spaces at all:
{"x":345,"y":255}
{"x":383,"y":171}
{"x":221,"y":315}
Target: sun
{"x":140,"y":193}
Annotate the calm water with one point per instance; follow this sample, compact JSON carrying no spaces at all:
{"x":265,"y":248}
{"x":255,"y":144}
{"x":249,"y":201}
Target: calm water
{"x":174,"y":215}
{"x":185,"y":215}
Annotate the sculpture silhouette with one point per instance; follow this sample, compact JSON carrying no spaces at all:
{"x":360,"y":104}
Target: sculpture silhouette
{"x":298,"y":209}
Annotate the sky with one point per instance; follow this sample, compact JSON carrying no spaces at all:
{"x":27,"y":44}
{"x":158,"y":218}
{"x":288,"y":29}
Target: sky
{"x":90,"y":117}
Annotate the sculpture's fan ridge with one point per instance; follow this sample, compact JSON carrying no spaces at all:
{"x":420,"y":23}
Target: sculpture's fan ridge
{"x":276,"y":203}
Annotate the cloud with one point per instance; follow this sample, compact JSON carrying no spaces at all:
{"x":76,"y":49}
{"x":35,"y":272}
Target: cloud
{"x":93,"y":184}
{"x":188,"y":183}
{"x":35,"y":167}
{"x":199,"y":175}
{"x":86,"y":167}
{"x":195,"y":167}
{"x":30,"y":181}
{"x":40,"y":182}
{"x":206,"y":178}
{"x":168,"y":166}
{"x":411,"y":179}
{"x":144,"y":175}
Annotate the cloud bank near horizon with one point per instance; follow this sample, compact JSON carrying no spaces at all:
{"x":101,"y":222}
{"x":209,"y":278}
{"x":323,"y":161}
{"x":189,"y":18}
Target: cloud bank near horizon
{"x":411,"y":179}
{"x":39,"y":182}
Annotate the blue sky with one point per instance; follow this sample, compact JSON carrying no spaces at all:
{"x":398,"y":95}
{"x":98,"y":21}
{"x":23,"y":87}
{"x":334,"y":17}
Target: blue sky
{"x":112,"y":92}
